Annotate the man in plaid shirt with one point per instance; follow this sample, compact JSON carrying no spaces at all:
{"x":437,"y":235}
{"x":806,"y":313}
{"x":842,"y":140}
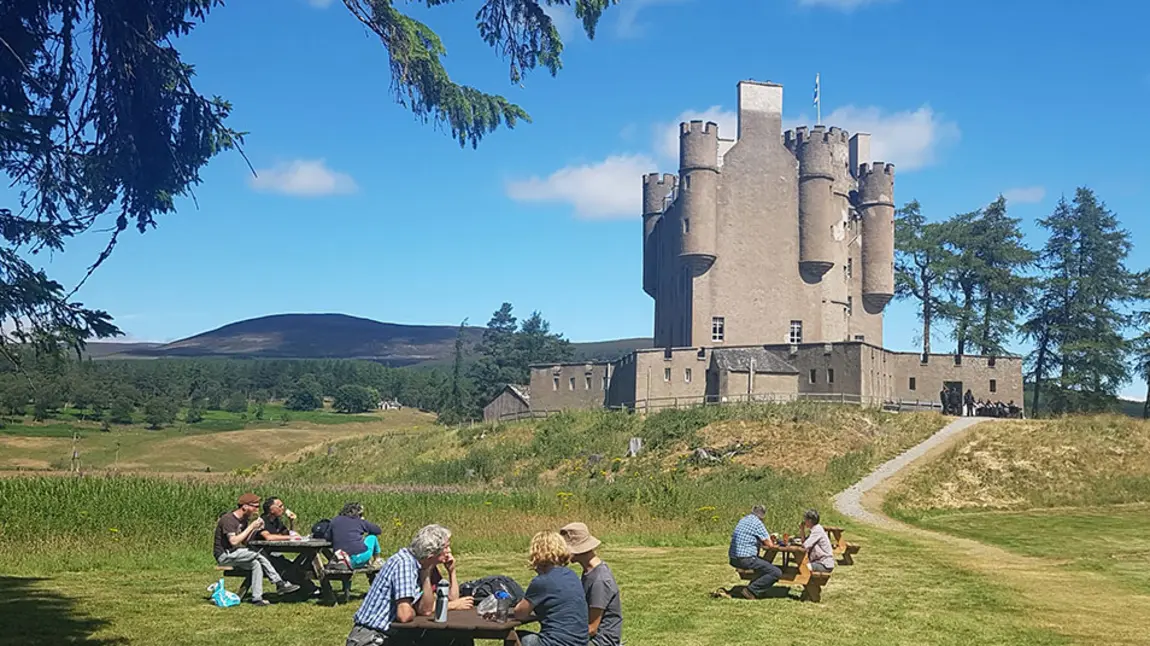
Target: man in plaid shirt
{"x":405,"y":587}
{"x":749,"y":535}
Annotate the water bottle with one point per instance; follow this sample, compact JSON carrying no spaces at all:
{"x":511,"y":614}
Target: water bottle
{"x":441,"y":593}
{"x":503,"y":606}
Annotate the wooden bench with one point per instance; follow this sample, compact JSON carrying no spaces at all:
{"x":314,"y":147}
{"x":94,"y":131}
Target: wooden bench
{"x":844,"y":552}
{"x":795,"y":575}
{"x":344,"y":576}
{"x":229,"y":571}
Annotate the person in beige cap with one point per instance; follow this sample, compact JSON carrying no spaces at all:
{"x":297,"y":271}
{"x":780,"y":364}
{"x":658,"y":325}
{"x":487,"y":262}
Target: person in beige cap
{"x":604,"y":609}
{"x":233,"y":530}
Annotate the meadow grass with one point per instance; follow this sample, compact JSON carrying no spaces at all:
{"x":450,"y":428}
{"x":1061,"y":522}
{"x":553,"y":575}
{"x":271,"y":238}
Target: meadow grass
{"x":1113,"y":541}
{"x":208,"y":445}
{"x":71,"y":578}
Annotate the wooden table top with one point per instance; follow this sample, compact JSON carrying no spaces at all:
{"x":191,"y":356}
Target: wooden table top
{"x":307,"y":543}
{"x":462,"y":620}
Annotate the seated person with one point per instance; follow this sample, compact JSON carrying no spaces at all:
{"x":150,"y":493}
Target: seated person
{"x":404,"y":588}
{"x":820,"y":553}
{"x":347,"y":531}
{"x":233,"y":531}
{"x":604,"y":610}
{"x":274,"y":528}
{"x":750,"y":534}
{"x":555,"y":596}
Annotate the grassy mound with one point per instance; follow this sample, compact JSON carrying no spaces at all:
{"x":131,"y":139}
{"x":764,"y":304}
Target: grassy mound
{"x":1074,"y":461}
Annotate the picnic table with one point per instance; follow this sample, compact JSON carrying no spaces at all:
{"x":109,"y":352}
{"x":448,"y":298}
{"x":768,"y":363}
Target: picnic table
{"x":799,"y":574}
{"x":465,"y":626}
{"x":843,"y":550}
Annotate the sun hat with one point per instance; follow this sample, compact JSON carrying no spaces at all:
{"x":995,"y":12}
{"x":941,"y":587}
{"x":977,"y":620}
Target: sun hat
{"x":579,"y":538}
{"x":249,"y":499}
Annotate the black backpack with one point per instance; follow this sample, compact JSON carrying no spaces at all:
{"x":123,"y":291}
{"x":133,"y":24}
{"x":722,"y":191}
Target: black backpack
{"x":320,"y":528}
{"x":488,"y":585}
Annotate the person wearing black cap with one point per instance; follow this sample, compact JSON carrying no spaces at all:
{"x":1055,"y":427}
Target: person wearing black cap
{"x":233,"y":531}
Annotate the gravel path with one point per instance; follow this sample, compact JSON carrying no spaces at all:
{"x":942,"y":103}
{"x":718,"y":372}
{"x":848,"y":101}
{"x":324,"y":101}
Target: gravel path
{"x":849,"y":502}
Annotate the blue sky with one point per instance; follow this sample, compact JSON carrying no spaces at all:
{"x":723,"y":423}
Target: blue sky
{"x":360,"y":209}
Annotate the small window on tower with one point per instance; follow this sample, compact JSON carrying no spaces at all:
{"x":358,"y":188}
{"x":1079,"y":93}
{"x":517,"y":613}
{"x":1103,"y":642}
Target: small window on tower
{"x":796,"y":335}
{"x":571,"y":383}
{"x":555,"y":383}
{"x":718,"y":328}
{"x":687,"y":375}
{"x":913,"y":384}
{"x":850,"y":268}
{"x":666,"y":374}
{"x":686,"y":225}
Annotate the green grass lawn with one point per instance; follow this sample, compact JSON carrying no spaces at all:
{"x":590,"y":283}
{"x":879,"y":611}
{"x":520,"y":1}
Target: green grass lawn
{"x":891,"y":596}
{"x":1113,"y":541}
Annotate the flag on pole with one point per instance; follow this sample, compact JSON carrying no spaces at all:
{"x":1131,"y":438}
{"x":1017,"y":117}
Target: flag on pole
{"x":818,"y":103}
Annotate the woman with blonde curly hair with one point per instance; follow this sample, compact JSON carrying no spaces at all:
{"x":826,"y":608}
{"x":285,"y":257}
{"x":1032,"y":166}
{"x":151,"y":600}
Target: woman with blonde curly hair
{"x":555,"y":596}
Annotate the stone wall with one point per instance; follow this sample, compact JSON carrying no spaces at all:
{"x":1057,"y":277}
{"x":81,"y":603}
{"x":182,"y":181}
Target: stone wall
{"x":569,"y":386}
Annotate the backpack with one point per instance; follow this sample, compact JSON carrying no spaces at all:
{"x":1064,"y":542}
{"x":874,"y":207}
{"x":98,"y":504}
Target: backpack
{"x":321,"y":528}
{"x":489,"y":585}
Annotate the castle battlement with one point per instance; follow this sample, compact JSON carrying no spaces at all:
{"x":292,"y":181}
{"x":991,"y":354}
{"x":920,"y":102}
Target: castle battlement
{"x":801,"y":136}
{"x":656,"y":178}
{"x":876,"y":167}
{"x":698,"y":127}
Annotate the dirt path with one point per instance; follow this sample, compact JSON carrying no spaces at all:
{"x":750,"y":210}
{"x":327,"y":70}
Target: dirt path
{"x":1084,"y":606}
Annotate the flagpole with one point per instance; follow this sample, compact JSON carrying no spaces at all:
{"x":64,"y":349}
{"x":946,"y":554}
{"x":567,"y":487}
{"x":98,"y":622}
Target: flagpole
{"x":818,"y":102}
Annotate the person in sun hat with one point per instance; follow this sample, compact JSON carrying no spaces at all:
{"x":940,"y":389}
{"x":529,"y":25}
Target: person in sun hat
{"x":604,"y":607}
{"x":233,"y":531}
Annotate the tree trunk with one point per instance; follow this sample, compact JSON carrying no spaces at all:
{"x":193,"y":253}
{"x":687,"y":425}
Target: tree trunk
{"x":964,"y":321}
{"x":927,"y":312}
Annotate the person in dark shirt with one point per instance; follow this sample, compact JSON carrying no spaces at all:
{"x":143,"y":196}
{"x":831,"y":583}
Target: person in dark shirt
{"x":274,"y":528}
{"x":604,"y":607}
{"x":350,"y":533}
{"x":233,"y":531}
{"x":555,"y":596}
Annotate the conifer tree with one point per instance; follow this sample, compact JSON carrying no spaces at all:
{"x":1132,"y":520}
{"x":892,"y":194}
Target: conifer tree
{"x":921,"y":261}
{"x":1140,"y":344}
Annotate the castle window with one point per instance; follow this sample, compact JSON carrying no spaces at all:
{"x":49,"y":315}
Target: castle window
{"x":958,"y":359}
{"x":686,"y":181}
{"x":604,"y":383}
{"x":830,"y":375}
{"x":850,"y":305}
{"x":912,"y":383}
{"x":667,"y":354}
{"x":990,"y":362}
{"x":666,"y":374}
{"x":571,"y":383}
{"x":993,"y":385}
{"x":796,"y":332}
{"x":687,"y":375}
{"x":588,"y":382}
{"x":718,"y":328}
{"x":850,"y":268}
{"x":686,"y":225}
{"x":555,"y":383}
{"x":701,"y":355}
{"x":814,"y":375}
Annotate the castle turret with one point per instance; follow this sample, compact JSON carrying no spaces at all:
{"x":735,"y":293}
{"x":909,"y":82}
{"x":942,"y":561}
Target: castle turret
{"x":876,"y":206}
{"x":698,"y":193}
{"x":656,"y":190}
{"x":817,"y":152}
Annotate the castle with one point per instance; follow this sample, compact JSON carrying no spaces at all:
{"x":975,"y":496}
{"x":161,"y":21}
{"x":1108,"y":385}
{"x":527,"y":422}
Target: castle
{"x":770,"y":258}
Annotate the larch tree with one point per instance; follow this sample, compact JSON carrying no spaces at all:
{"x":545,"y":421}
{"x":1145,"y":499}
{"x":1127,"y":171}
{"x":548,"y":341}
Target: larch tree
{"x":100,"y":121}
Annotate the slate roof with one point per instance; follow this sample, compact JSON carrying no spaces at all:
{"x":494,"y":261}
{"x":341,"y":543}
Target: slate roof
{"x":740,"y":359}
{"x":524,"y":392}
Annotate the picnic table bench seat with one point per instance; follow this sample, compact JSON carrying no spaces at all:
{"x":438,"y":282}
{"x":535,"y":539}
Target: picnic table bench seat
{"x":344,"y":576}
{"x":229,"y":571}
{"x":844,"y":551}
{"x":798,"y":574}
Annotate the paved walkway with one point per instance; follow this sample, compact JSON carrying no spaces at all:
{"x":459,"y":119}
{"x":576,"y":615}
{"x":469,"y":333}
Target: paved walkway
{"x":849,"y":502}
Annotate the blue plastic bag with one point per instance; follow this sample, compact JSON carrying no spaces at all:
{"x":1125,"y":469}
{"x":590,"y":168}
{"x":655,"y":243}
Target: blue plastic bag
{"x":221,"y":597}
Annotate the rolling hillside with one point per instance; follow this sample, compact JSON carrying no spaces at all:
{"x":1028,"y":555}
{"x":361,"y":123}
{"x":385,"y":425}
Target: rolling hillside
{"x":333,"y":336}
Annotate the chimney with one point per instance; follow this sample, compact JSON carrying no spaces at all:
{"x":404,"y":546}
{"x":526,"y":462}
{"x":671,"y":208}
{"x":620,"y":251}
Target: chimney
{"x":760,"y":110}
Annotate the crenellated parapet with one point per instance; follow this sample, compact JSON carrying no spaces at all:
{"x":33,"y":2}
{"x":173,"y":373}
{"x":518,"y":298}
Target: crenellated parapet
{"x":656,"y":189}
{"x":698,"y":146}
{"x":698,"y":193}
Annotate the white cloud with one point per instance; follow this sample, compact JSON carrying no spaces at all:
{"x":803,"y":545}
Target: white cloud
{"x":843,"y":5}
{"x":667,"y":134}
{"x":627,"y":23}
{"x":303,"y":177}
{"x":1025,"y":194}
{"x":909,"y":139}
{"x":605,"y":190}
{"x":320,"y":4}
{"x":563,"y":17}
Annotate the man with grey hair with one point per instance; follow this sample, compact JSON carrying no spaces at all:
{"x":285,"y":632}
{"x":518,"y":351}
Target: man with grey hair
{"x":750,"y":534}
{"x":405,"y":588}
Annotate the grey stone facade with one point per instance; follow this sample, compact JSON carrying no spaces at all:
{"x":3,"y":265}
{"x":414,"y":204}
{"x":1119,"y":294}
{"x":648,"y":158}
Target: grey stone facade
{"x":770,"y":258}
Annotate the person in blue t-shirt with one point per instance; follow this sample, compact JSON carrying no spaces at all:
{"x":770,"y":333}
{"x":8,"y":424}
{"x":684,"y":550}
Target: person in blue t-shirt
{"x":555,"y":596}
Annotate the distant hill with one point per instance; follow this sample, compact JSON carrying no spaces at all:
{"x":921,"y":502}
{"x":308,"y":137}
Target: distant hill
{"x":334,"y":336}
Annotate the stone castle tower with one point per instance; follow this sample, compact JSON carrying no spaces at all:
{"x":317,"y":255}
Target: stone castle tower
{"x":769,"y":238}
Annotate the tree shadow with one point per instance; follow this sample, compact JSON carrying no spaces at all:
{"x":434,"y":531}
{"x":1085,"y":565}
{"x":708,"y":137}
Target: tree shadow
{"x":31,"y":615}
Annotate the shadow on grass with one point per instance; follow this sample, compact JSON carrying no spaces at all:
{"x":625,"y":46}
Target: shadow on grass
{"x":30,"y":615}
